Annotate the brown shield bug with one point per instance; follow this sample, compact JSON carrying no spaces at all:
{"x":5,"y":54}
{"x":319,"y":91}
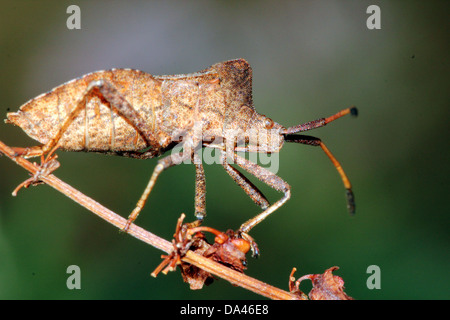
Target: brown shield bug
{"x":134,"y":114}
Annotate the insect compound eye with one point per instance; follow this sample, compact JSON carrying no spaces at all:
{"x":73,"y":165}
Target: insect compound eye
{"x":268,"y":123}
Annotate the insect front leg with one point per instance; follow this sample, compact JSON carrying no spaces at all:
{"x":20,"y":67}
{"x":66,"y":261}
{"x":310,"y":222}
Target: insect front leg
{"x":249,"y":188}
{"x":272,"y":181}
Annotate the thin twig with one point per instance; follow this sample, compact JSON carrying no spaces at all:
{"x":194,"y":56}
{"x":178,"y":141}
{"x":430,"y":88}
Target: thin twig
{"x":217,"y":269}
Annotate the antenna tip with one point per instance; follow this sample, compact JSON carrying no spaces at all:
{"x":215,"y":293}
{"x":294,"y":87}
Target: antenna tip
{"x":350,"y":202}
{"x":353,"y":111}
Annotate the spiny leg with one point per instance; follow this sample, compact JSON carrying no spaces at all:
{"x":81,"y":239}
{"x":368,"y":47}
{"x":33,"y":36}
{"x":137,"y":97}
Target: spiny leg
{"x":273,"y":181}
{"x":162,"y":165}
{"x":105,"y":91}
{"x":313,"y":141}
{"x":249,"y":188}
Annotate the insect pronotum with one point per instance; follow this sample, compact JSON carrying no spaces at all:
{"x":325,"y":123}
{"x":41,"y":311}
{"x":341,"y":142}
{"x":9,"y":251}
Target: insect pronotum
{"x":134,"y":114}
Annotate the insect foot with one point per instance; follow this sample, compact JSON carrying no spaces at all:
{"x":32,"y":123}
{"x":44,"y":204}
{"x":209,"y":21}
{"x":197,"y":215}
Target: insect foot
{"x":229,"y":249}
{"x":253,"y":246}
{"x":45,"y":168}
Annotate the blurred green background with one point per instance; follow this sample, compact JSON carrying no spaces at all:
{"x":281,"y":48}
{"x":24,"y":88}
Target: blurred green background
{"x":310,"y":59}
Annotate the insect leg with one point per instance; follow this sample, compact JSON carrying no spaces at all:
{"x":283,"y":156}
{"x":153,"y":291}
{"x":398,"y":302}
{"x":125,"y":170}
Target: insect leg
{"x":162,"y":165}
{"x":106,"y":91}
{"x":200,"y":189}
{"x":250,"y":189}
{"x":313,"y":141}
{"x":28,"y":152}
{"x":272,"y":181}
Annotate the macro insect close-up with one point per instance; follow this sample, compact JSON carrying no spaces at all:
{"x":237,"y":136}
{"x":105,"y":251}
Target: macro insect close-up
{"x":133,"y":114}
{"x":211,"y":150}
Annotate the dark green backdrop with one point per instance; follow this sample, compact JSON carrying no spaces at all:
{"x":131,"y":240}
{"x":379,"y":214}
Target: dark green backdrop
{"x":310,"y":59}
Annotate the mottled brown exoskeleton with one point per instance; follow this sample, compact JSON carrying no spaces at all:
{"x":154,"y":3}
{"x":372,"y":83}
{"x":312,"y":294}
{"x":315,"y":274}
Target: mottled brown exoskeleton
{"x":134,"y":114}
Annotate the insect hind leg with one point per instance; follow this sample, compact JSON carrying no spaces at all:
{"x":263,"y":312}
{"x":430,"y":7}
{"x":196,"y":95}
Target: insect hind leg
{"x":29,"y":152}
{"x":107,"y":92}
{"x":47,"y":166}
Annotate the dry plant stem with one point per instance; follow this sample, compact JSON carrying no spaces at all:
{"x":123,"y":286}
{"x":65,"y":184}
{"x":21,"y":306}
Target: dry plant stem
{"x":234,"y":277}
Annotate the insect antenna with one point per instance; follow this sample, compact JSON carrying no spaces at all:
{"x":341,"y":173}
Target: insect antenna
{"x":320,"y":122}
{"x":289,"y":136}
{"x":313,"y":141}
